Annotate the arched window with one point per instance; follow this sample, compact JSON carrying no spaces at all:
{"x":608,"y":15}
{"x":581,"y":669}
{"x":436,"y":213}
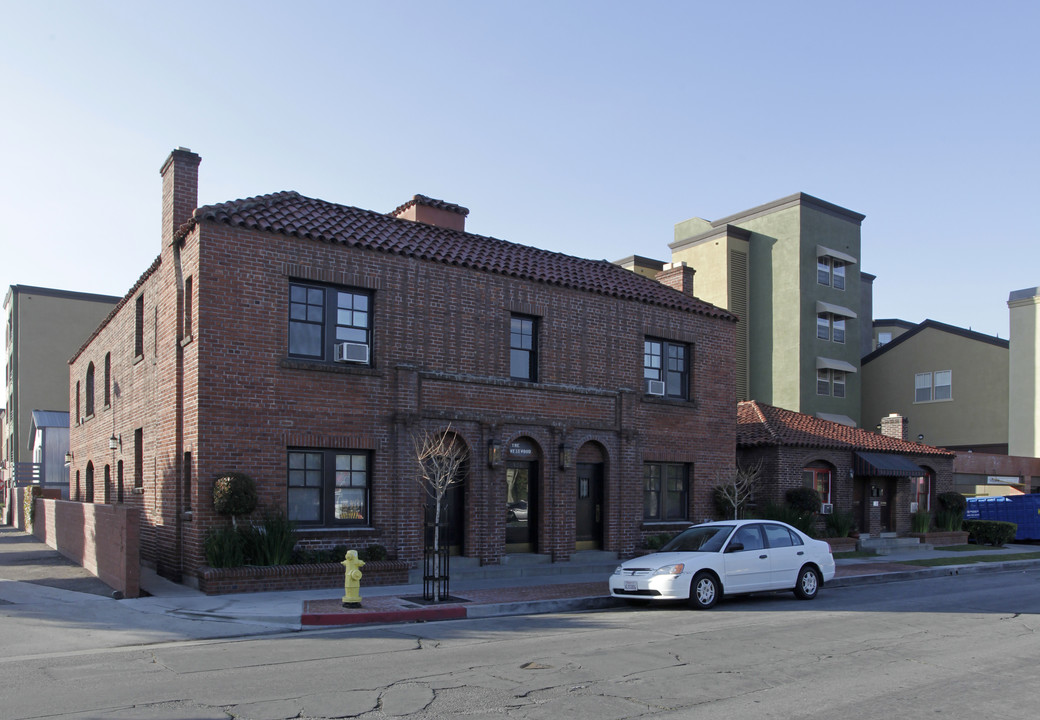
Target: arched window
{"x":77,"y":486}
{"x":119,"y":482}
{"x":90,"y":483}
{"x":108,"y":379}
{"x":90,"y":389}
{"x":108,"y":484}
{"x":819,"y":476}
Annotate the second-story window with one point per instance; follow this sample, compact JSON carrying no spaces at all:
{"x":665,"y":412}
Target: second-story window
{"x":139,"y":326}
{"x":523,"y":348}
{"x":330,"y":324}
{"x":108,"y":379}
{"x":90,"y":389}
{"x":666,"y":368}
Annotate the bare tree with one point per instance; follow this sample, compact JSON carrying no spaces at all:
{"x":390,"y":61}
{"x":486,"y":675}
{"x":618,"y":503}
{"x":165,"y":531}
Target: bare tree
{"x":440,"y":459}
{"x":737,"y":488}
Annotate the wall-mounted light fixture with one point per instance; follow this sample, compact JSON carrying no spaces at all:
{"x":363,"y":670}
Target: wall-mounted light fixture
{"x":68,"y":458}
{"x":494,"y":454}
{"x":566,"y":457}
{"x":920,"y":438}
{"x":114,"y":443}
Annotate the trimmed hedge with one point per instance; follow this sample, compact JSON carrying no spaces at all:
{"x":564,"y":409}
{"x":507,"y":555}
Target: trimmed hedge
{"x":991,"y":532}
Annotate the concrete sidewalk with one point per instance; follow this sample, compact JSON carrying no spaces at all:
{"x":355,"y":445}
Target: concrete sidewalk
{"x":26,"y":562}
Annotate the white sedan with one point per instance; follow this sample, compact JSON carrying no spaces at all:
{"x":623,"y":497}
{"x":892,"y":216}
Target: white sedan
{"x":707,"y":561}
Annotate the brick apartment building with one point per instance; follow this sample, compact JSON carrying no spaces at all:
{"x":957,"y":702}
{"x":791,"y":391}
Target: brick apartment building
{"x":307,"y":344}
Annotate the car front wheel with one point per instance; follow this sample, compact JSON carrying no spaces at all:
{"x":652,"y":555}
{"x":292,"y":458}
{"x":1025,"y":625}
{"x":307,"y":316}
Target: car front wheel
{"x":808,"y":584}
{"x":704,"y":591}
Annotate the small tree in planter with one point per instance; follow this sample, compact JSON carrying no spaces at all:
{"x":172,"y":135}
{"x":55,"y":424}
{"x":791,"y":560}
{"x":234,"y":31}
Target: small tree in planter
{"x":440,"y":459}
{"x":733,"y":492}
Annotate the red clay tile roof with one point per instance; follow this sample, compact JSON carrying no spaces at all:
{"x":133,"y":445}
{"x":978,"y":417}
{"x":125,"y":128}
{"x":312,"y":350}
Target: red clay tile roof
{"x":759,"y":424}
{"x":290,"y":213}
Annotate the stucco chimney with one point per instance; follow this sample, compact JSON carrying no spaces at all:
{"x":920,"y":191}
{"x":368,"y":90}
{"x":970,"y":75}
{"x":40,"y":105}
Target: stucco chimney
{"x":678,"y":276}
{"x":432,"y":212}
{"x":894,"y":426}
{"x":180,"y":190}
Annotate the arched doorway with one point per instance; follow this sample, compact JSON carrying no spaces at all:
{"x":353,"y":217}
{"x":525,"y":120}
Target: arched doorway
{"x":588,"y":504}
{"x":453,"y":504}
{"x":90,"y":482}
{"x":522,"y":486}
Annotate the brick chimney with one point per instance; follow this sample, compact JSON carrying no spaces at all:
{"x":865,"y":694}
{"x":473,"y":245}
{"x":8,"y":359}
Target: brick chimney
{"x":894,"y":426}
{"x":677,"y":276}
{"x":180,"y":191}
{"x":432,"y":212}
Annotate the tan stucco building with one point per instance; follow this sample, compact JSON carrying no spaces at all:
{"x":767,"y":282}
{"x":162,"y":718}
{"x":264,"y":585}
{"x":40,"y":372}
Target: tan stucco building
{"x":950,"y":383}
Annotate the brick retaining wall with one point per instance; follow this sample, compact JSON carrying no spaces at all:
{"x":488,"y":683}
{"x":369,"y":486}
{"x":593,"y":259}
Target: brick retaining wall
{"x":317,"y":576}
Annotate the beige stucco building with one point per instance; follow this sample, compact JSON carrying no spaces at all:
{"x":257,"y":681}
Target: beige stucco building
{"x":1024,"y":391}
{"x":45,"y":327}
{"x":950,"y":383}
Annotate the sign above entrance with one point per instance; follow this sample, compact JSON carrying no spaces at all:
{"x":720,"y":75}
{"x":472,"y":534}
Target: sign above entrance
{"x":521,"y":449}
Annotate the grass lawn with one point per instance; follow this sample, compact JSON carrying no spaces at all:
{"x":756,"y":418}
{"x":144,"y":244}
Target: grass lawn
{"x":933,"y":562}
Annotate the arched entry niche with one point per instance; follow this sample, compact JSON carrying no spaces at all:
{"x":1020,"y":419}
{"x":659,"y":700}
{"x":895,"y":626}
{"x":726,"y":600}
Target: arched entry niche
{"x":589,"y":509}
{"x":522,"y":494}
{"x":453,"y":506}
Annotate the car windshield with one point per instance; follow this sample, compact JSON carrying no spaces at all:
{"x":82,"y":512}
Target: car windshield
{"x":709,"y":538}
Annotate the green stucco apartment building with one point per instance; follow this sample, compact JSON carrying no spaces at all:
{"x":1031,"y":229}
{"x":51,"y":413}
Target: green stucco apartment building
{"x":789,"y":270}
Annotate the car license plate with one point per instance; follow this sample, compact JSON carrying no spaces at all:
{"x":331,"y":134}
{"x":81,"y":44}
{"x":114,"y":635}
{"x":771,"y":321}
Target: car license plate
{"x":631,"y":585}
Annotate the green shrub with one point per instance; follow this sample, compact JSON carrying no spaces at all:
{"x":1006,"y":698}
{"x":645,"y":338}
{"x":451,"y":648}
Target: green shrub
{"x":271,"y":542}
{"x":373,"y":552}
{"x":921,"y":521}
{"x":952,"y":502}
{"x":806,"y":522}
{"x":948,"y":520}
{"x":803,"y":500}
{"x":224,"y":548}
{"x":234,"y":494}
{"x":839,"y":524}
{"x":991,"y":532}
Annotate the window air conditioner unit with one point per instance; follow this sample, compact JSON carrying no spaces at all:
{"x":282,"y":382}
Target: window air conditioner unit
{"x":351,"y":352}
{"x":913,"y":507}
{"x":826,"y":508}
{"x":655,"y":387}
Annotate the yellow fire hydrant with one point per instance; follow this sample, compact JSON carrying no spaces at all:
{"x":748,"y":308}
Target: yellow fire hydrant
{"x":352,"y":581}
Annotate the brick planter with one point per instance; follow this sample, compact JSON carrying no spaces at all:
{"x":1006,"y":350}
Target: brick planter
{"x":317,"y":576}
{"x":840,"y":545}
{"x":939,"y":538}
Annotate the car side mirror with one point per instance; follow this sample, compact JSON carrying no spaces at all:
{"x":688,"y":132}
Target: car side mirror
{"x":735,"y":547}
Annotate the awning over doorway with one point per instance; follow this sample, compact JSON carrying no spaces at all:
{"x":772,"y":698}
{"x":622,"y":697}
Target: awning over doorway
{"x":885,"y":465}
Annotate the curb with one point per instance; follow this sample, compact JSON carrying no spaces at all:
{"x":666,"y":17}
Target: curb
{"x":605,"y":602}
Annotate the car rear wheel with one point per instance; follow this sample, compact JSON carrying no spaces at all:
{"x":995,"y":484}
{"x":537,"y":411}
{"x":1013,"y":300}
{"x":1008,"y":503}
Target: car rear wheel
{"x":808,"y":584}
{"x":704,"y":590}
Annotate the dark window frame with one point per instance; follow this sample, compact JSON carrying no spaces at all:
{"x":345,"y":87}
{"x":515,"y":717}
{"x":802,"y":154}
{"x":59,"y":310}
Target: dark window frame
{"x":303,"y":298}
{"x":326,"y":474}
{"x":523,"y":347}
{"x":139,"y":326}
{"x":670,"y":362}
{"x":89,"y":389}
{"x":139,"y":458}
{"x":656,"y":492}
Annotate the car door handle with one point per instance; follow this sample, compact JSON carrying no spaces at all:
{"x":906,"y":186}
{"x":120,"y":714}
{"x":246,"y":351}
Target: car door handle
{"x":762,"y":557}
{"x":801,"y":552}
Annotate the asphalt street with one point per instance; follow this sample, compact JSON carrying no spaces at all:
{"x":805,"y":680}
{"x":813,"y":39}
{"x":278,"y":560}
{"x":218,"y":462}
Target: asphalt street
{"x":957,"y":646}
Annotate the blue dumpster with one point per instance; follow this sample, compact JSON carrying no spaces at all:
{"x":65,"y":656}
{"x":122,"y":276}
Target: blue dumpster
{"x":1024,"y":510}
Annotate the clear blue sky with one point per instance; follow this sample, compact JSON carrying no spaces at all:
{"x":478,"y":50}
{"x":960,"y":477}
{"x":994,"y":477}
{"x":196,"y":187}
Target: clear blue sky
{"x":589,"y":128}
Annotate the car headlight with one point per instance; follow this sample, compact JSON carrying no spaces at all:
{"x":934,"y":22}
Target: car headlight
{"x":617,"y":570}
{"x":670,"y":569}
